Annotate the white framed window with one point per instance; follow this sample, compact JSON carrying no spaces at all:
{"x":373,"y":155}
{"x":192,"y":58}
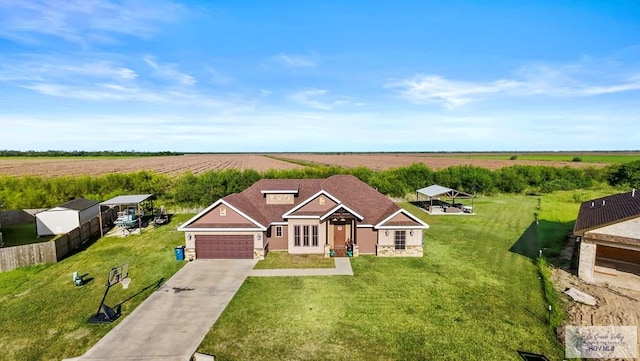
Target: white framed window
{"x":400,"y":241}
{"x":314,"y":236}
{"x":296,"y":236}
{"x":305,"y":236}
{"x":279,"y":231}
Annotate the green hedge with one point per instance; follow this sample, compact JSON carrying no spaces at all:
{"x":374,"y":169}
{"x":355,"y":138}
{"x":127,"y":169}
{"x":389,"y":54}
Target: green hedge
{"x":190,"y":190}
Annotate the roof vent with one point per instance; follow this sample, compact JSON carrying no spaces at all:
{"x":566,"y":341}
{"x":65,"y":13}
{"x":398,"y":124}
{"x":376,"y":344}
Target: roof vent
{"x":603,"y":202}
{"x":633,"y":192}
{"x":592,"y":204}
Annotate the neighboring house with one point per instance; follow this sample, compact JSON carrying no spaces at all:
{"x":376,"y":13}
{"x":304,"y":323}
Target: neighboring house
{"x":609,"y":233}
{"x":1,"y":240}
{"x":65,"y":217}
{"x":303,"y":216}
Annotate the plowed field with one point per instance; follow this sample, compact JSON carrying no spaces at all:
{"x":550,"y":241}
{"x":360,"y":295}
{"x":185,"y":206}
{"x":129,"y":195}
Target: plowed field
{"x":198,"y":163}
{"x":50,"y":167}
{"x":390,"y":160}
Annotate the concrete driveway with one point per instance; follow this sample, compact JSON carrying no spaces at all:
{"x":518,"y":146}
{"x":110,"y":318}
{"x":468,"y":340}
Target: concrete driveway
{"x":172,"y":322}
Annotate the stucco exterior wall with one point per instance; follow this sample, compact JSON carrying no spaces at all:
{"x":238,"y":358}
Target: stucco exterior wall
{"x":317,"y":205}
{"x":587,"y":261}
{"x":221,"y":214}
{"x":278,"y":243}
{"x":388,"y":238}
{"x":275,"y":198}
{"x":386,"y":243}
{"x":367,"y":239}
{"x":322,"y":236}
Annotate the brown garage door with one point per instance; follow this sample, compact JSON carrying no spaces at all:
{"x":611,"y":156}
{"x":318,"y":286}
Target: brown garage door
{"x":623,"y":259}
{"x":224,"y":246}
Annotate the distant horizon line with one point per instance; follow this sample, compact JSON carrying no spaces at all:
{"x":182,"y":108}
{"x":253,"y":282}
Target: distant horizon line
{"x":334,"y":152}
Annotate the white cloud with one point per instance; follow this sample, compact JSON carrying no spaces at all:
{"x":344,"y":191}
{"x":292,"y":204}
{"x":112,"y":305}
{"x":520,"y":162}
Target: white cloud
{"x":424,"y":89}
{"x":572,"y":80}
{"x":297,"y":60}
{"x":170,"y":71}
{"x":318,"y":99}
{"x":82,"y":21}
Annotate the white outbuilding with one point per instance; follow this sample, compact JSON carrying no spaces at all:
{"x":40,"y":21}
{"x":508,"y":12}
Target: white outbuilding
{"x":65,"y":217}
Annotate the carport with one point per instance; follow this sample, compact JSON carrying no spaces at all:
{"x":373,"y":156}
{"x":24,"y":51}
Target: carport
{"x":434,"y":192}
{"x":127,"y":201}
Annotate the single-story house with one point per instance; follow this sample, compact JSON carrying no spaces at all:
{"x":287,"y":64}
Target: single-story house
{"x":608,"y":230}
{"x":304,"y":216}
{"x":66,"y":217}
{"x":1,"y":240}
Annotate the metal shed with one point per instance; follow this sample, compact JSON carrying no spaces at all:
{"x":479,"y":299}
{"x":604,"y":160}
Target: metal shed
{"x":66,"y":217}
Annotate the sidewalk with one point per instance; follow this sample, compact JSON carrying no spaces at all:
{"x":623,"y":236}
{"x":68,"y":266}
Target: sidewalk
{"x":343,"y":268}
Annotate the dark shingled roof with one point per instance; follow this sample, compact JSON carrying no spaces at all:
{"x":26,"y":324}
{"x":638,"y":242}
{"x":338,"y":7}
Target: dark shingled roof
{"x":78,"y":204}
{"x":352,"y":192}
{"x":608,"y":210}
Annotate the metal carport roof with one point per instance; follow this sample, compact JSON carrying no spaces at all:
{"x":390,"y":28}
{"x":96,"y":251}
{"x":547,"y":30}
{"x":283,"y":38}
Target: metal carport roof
{"x":437,"y":190}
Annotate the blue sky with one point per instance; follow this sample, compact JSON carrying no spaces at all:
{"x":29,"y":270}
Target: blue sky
{"x":264,"y":76}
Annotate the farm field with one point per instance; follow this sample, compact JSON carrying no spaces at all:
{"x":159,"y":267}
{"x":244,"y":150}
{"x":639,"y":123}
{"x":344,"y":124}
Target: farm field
{"x":469,"y":298}
{"x":172,"y":165}
{"x":384,"y":161}
{"x":198,"y":163}
{"x":587,"y":157}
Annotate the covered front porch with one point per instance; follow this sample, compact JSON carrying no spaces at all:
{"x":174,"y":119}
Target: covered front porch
{"x":341,"y":233}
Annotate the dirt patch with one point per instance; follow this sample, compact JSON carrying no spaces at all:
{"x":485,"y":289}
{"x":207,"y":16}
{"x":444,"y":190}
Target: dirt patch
{"x":616,"y":306}
{"x":172,"y":165}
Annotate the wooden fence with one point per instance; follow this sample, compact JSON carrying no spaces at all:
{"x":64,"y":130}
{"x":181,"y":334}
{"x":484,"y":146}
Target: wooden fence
{"x":53,"y":250}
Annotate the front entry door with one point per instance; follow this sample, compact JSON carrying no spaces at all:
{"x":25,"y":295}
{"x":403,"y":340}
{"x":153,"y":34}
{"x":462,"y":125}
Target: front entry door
{"x":339,"y":235}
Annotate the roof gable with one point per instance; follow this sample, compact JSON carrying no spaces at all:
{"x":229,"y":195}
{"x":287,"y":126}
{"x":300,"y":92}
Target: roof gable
{"x":342,"y":207}
{"x":607,"y":210}
{"x":308,"y":202}
{"x":205,"y":220}
{"x":401,"y":219}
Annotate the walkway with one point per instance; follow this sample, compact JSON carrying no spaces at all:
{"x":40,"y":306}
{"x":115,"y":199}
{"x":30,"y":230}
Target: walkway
{"x":343,"y":268}
{"x":173,"y":321}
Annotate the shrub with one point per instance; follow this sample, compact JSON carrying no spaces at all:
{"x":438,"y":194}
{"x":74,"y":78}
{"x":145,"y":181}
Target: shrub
{"x":576,"y":159}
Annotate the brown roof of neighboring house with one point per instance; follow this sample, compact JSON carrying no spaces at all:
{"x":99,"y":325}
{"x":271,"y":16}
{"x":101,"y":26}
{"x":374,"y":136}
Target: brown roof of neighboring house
{"x":607,"y":210}
{"x":352,"y":192}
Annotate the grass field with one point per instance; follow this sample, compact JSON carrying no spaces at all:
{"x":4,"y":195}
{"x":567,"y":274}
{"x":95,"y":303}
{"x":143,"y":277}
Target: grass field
{"x":20,"y":234}
{"x":468,"y":298}
{"x":282,"y":259}
{"x":587,"y":157}
{"x":43,"y":315}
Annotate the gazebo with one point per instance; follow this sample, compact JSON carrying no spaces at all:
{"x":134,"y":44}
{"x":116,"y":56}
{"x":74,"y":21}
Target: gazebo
{"x":133,"y":200}
{"x":435,"y":191}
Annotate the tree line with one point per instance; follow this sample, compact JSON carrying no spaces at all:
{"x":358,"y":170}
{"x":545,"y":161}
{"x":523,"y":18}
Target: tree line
{"x":82,"y":153}
{"x":189,"y":190}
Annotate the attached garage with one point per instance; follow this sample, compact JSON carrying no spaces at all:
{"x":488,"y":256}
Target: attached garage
{"x":224,"y":246}
{"x":620,"y":259}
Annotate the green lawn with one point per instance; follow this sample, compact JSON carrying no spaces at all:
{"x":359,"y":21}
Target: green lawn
{"x":557,"y":215}
{"x":43,"y":315}
{"x":468,"y":298}
{"x":21,"y":234}
{"x":282,"y":259}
